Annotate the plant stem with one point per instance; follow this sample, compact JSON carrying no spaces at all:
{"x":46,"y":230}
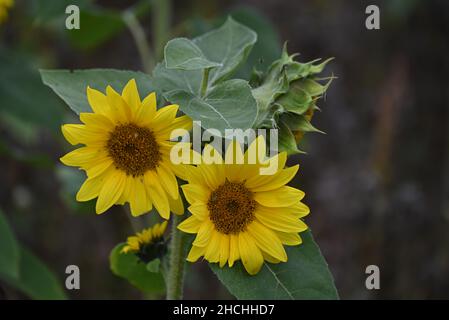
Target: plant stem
{"x":161,"y":17}
{"x":140,"y":39}
{"x":204,"y":82}
{"x":175,"y":277}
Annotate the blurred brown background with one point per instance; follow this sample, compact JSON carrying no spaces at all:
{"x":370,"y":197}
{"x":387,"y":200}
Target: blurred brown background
{"x":377,"y":182}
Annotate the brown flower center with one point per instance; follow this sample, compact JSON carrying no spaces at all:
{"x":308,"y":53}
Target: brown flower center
{"x":133,"y":149}
{"x":231,"y":207}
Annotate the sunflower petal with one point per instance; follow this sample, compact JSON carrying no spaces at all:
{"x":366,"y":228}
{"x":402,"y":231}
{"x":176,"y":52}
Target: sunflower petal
{"x":267,"y":241}
{"x":234,"y":252}
{"x":190,"y":225}
{"x":97,"y":101}
{"x":204,"y":234}
{"x":282,"y":197}
{"x":250,"y":254}
{"x":157,"y":195}
{"x":168,"y":180}
{"x":131,"y":95}
{"x":138,"y":199}
{"x":279,"y":219}
{"x":262,"y":183}
{"x":195,"y":253}
{"x":111,"y":191}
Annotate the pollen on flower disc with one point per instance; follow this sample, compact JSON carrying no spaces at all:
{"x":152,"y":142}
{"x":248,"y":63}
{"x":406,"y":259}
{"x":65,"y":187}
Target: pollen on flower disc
{"x":231,"y":207}
{"x":133,"y":149}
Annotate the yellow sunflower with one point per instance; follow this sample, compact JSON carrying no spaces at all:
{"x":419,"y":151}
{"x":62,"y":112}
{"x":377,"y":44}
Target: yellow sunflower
{"x":5,"y":5}
{"x":239,"y":214}
{"x":126,"y":152}
{"x":147,"y":243}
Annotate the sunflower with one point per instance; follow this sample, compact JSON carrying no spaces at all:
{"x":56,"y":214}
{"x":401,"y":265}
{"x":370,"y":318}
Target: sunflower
{"x":239,"y":214}
{"x":126,"y":152}
{"x":147,"y":244}
{"x":5,"y":5}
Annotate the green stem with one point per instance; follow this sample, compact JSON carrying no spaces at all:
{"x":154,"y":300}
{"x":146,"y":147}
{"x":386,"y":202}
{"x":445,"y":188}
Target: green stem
{"x":175,"y":276}
{"x":204,"y":82}
{"x":140,"y":39}
{"x":161,"y":17}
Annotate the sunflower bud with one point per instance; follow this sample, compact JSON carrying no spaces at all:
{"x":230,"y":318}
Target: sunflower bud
{"x":286,"y":97}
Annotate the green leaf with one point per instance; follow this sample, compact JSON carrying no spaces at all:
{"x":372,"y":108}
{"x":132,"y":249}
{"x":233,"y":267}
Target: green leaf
{"x":267,"y":48}
{"x":183,"y":54}
{"x":35,"y":279}
{"x":298,"y":122}
{"x":287,"y":141}
{"x":22,"y":94}
{"x":129,"y":267}
{"x":9,"y":250}
{"x":228,"y":45}
{"x":304,"y":276}
{"x":71,"y":86}
{"x":229,"y":104}
{"x":154,"y":265}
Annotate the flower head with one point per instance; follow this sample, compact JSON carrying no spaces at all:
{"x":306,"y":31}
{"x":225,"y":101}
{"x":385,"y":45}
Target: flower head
{"x":239,"y":214}
{"x":147,"y":244}
{"x":126,"y":152}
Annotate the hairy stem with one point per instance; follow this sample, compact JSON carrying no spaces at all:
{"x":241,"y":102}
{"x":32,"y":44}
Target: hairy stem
{"x":175,"y":276}
{"x":204,"y":82}
{"x":142,"y":44}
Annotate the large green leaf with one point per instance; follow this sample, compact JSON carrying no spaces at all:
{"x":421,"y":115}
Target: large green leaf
{"x":183,"y":54}
{"x":304,"y":276}
{"x":71,"y":85}
{"x":228,"y":45}
{"x":22,"y":94}
{"x":129,"y":266}
{"x":9,"y":250}
{"x":229,"y":104}
{"x":35,"y":279}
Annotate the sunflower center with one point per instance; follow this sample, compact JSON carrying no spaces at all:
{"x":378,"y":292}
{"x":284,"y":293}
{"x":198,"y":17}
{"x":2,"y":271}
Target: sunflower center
{"x":231,"y":207}
{"x":133,"y":149}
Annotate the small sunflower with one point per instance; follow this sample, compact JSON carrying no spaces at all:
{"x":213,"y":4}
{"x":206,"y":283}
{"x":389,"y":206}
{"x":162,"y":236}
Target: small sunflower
{"x":5,"y":5}
{"x":147,"y":244}
{"x":239,"y":214}
{"x":126,"y":152}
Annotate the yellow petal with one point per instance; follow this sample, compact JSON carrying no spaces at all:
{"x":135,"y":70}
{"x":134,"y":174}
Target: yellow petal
{"x":138,"y":199}
{"x":119,"y":109}
{"x":250,"y":254}
{"x":90,"y":189}
{"x":190,"y":225}
{"x":212,"y":253}
{"x":195,"y":253}
{"x":204,"y":234}
{"x":256,"y":152}
{"x":81,"y":156}
{"x":213,"y":175}
{"x":96,"y":121}
{"x":269,"y":258}
{"x":97,"y":101}
{"x":282,"y":197}
{"x":289,"y":239}
{"x":267,"y":241}
{"x":176,"y":205}
{"x":168,"y":180}
{"x":164,"y":116}
{"x":157,"y":194}
{"x":147,"y":110}
{"x":262,"y":183}
{"x":224,"y":249}
{"x":278,"y":219}
{"x":131,"y":95}
{"x":183,"y":122}
{"x":111,"y":191}
{"x":100,"y":167}
{"x":234,"y":253}
{"x":195,"y":193}
{"x":200,"y":211}
{"x":79,"y":133}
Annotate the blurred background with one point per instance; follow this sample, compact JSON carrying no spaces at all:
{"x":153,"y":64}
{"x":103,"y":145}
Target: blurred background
{"x":377,"y":183}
